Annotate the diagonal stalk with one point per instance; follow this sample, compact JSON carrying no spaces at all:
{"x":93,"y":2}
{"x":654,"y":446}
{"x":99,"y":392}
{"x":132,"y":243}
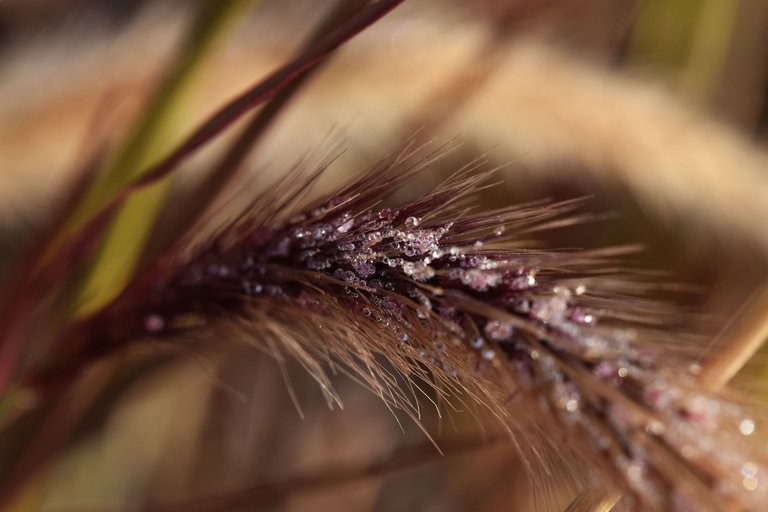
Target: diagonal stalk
{"x":743,"y":339}
{"x":125,"y":238}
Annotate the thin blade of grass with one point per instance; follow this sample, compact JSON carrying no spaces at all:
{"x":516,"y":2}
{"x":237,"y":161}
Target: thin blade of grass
{"x":125,"y":239}
{"x":743,"y":340}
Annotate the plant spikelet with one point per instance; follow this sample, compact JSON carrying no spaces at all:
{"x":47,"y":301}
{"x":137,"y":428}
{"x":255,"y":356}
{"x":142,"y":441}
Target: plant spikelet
{"x":431,"y":292}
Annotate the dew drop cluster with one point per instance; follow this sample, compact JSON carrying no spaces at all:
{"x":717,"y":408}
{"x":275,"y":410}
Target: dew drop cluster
{"x":454,"y":295}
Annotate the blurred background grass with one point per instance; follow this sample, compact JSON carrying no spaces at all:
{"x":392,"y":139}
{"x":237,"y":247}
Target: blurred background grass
{"x":215,"y":422}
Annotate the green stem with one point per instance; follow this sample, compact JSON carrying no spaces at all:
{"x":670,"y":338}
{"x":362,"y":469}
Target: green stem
{"x":155,"y":130}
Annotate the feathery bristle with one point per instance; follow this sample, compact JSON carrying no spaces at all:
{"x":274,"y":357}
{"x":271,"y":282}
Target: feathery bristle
{"x":429,"y":291}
